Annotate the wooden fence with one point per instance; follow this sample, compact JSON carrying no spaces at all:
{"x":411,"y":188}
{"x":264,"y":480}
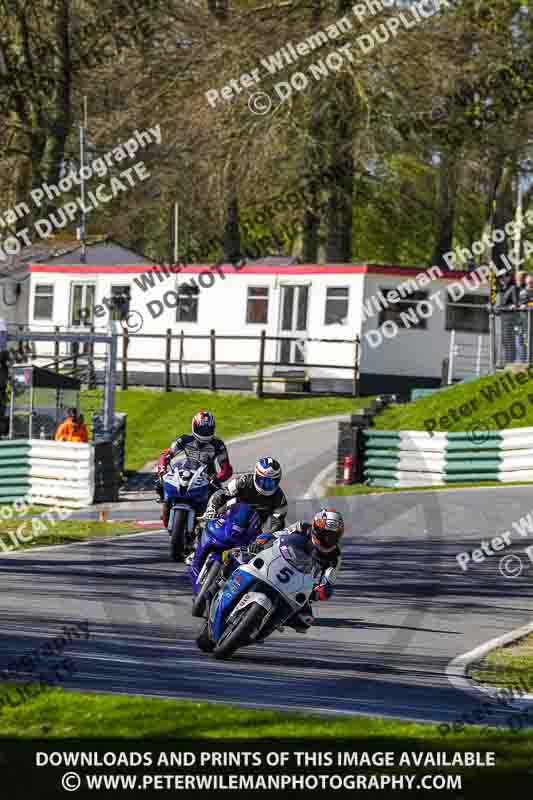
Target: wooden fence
{"x":177,"y":341}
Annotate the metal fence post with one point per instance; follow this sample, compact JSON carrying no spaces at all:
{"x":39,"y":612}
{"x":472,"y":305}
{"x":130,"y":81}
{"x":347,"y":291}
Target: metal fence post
{"x":212,"y":362}
{"x":450,"y":360}
{"x":355,"y":387}
{"x":56,"y":350}
{"x":261,"y":370}
{"x":478,"y":357}
{"x":168,"y":354}
{"x":109,"y":396}
{"x":529,"y":337}
{"x":180,"y":365}
{"x":125,"y":345}
{"x":492,"y":347}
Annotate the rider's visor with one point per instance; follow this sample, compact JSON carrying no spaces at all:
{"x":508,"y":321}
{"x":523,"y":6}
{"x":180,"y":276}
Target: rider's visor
{"x":326,"y":542}
{"x":268,"y":484}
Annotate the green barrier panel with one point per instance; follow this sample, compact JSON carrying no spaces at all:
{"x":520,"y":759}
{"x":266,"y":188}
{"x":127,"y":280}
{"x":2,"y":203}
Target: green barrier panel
{"x":371,"y":433}
{"x":393,"y":444}
{"x":12,"y":472}
{"x":382,"y":462}
{"x":15,"y":491}
{"x":12,"y":453}
{"x":378,"y":452}
{"x":485,"y":445}
{"x":477,"y":434}
{"x":473,"y":476}
{"x":381,"y":473}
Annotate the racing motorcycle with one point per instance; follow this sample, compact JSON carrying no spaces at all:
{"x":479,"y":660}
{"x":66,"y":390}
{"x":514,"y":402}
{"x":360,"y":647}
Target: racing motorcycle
{"x":259,"y":597}
{"x":186,"y":490}
{"x":228,"y":531}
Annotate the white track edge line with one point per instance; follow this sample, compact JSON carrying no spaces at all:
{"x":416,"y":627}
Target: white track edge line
{"x":318,"y":484}
{"x":289,"y":425}
{"x":457,"y":667}
{"x":105,"y":539}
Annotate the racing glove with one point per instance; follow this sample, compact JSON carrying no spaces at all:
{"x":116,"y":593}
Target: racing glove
{"x":210,"y":513}
{"x":260,"y":543}
{"x":322,"y":592}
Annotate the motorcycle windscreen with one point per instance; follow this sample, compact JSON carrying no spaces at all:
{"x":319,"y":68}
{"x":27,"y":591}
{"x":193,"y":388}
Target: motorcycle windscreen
{"x":242,"y":525}
{"x":218,"y":532}
{"x":297,"y":549}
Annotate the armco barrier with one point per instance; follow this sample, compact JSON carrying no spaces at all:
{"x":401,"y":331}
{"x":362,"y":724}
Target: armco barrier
{"x":416,"y":458}
{"x":47,"y":472}
{"x":61,"y":473}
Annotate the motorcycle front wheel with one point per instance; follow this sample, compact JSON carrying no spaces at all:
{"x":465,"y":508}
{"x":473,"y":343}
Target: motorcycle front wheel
{"x":199,"y":602}
{"x":178,"y":535}
{"x":240,"y":634}
{"x":203,"y":641}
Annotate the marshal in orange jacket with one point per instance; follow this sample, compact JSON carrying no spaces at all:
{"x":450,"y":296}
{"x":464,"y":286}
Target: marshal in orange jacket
{"x":68,"y":432}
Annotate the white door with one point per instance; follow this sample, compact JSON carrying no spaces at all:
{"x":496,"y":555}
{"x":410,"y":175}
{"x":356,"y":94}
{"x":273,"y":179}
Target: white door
{"x":82,"y":305}
{"x":81,"y":310}
{"x":294,"y":307}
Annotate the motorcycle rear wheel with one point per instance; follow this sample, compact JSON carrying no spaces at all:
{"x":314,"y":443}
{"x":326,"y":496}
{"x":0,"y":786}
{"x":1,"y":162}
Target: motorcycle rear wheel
{"x":178,"y":535}
{"x":199,"y":602}
{"x":240,"y":635}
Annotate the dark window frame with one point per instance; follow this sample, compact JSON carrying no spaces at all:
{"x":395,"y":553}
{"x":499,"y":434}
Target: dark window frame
{"x":188,"y":303}
{"x":462,"y":326}
{"x":263,"y":298}
{"x":346,"y":299}
{"x":43,"y":296}
{"x":403,"y":304}
{"x":116,"y":313}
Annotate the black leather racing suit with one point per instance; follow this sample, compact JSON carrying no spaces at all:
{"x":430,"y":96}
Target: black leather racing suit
{"x":213,"y":453}
{"x":266,"y":505}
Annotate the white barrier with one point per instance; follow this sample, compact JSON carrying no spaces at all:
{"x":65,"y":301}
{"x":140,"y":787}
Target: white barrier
{"x":61,"y":473}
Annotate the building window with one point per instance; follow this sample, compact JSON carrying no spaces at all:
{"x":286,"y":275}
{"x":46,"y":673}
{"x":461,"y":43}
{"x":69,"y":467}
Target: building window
{"x":403,"y":311}
{"x":82,"y":304}
{"x":257,"y":305}
{"x":187,"y":308}
{"x":43,"y":304}
{"x":336,"y":306}
{"x":469,"y":315}
{"x":120,"y":302}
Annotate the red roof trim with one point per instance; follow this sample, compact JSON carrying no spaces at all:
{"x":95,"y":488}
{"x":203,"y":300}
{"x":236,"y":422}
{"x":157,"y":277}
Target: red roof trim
{"x":250,"y":269}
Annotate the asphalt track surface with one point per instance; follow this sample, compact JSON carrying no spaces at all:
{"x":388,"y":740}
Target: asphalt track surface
{"x":403,"y":607}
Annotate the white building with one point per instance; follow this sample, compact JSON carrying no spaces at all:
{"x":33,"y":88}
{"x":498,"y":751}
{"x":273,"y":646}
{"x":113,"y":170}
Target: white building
{"x":330,"y":302}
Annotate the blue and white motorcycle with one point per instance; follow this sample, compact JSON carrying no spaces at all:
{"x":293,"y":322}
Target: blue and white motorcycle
{"x":259,"y":597}
{"x":186,"y":489}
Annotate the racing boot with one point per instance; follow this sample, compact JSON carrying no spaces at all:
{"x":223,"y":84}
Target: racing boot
{"x":165,"y":514}
{"x":302,"y":620}
{"x":158,"y":485}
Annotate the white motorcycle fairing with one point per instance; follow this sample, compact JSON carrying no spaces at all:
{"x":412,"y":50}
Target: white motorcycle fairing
{"x":271,"y":567}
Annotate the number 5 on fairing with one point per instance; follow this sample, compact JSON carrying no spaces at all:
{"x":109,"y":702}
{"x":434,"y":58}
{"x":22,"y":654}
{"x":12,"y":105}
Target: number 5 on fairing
{"x":284,"y":575}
